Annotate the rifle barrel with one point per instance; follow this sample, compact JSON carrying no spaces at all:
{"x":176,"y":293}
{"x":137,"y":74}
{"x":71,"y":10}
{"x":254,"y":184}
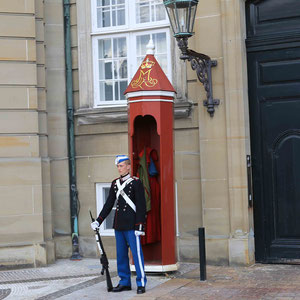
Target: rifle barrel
{"x":103,"y":259}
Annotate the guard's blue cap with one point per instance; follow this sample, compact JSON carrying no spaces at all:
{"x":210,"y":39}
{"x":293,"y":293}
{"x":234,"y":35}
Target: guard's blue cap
{"x":120,"y":158}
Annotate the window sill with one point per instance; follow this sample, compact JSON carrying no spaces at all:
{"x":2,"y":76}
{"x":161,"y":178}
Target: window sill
{"x":89,"y":116}
{"x":111,"y":114}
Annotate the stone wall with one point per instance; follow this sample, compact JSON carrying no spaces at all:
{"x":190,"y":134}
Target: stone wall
{"x":25,"y":215}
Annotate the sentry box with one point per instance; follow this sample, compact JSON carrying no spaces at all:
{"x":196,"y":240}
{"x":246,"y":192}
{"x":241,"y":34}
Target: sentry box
{"x":150,"y":98}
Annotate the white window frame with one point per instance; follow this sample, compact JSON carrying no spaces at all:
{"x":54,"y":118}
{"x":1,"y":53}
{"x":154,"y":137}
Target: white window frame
{"x":130,"y":30}
{"x":100,"y":201}
{"x":131,"y":62}
{"x":130,"y":20}
{"x":95,"y":29}
{"x":97,"y":102}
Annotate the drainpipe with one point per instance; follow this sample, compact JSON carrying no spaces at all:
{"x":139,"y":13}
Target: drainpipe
{"x":74,"y":203}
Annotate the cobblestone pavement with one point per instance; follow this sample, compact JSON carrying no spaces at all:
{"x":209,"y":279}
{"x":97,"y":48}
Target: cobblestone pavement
{"x":79,"y":280}
{"x":65,"y":279}
{"x":263,"y":282}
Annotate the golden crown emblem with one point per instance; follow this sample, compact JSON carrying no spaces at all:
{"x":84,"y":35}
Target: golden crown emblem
{"x":147,"y":64}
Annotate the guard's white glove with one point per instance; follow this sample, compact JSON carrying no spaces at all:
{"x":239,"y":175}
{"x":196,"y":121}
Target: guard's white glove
{"x":138,"y":232}
{"x":95,"y":225}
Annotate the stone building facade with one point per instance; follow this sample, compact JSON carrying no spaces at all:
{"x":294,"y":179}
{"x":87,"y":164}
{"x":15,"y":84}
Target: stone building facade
{"x":211,"y":181}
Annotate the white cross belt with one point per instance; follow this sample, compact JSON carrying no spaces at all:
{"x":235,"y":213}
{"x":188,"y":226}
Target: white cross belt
{"x":123,"y":194}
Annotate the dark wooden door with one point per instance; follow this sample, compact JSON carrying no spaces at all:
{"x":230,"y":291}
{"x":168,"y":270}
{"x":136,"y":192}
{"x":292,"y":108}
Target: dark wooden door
{"x":273,"y":46}
{"x":274,"y":98}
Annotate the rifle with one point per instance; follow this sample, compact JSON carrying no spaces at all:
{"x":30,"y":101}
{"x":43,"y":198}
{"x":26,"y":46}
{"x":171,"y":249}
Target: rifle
{"x":103,"y":258}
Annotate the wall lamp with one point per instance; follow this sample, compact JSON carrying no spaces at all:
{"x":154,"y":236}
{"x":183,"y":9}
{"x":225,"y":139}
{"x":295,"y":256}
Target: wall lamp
{"x":182,"y":15}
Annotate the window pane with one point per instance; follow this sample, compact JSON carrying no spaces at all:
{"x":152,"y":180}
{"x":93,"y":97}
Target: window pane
{"x":143,"y":12}
{"x":123,"y":86}
{"x":103,"y":17}
{"x":115,"y":47}
{"x":114,"y":23}
{"x":112,"y":68}
{"x":121,"y":17}
{"x":159,"y":11}
{"x":117,"y":90}
{"x":122,"y":47}
{"x":102,"y":2}
{"x":108,"y":70}
{"x":160,"y":42}
{"x":110,"y":13}
{"x":118,"y":2}
{"x":115,"y":69}
{"x":101,"y":90}
{"x":123,"y":69}
{"x":150,"y":11}
{"x":101,"y":70}
{"x":108,"y":91}
{"x":141,"y":43}
{"x":104,"y":48}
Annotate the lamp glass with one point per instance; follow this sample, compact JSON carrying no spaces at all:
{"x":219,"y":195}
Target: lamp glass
{"x":181,"y":14}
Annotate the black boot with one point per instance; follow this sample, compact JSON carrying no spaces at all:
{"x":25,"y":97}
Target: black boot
{"x":141,"y":290}
{"x":121,"y":288}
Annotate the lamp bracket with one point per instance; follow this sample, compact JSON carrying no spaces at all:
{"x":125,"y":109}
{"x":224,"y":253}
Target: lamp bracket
{"x":202,"y":64}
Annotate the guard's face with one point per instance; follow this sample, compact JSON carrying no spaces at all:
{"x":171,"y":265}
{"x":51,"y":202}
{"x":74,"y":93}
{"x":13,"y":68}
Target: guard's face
{"x":123,"y":168}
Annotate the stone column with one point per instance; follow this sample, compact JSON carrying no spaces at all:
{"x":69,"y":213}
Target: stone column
{"x":241,"y":240}
{"x":57,"y":126}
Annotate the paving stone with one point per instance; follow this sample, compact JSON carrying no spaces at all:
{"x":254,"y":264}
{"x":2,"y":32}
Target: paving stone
{"x":82,"y":280}
{"x":4,"y":293}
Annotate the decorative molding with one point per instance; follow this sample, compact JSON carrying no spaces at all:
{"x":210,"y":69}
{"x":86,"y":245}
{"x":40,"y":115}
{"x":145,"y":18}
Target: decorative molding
{"x":90,"y":116}
{"x":183,"y":109}
{"x":150,"y":93}
{"x":151,"y":100}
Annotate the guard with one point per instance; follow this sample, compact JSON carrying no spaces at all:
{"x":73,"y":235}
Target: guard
{"x":129,"y":222}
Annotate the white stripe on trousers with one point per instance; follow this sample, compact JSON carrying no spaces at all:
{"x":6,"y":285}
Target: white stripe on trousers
{"x":138,"y":246}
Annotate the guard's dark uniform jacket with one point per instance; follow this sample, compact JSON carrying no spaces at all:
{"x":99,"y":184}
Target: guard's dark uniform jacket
{"x":125,"y":217}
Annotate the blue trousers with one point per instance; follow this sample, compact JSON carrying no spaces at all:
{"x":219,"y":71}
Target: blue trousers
{"x":123,"y":240}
